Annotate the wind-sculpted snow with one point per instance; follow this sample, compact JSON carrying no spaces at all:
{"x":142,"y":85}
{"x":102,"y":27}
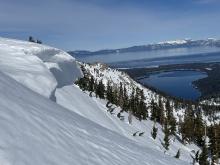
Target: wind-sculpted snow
{"x":39,"y":67}
{"x":35,"y":130}
{"x":62,"y":65}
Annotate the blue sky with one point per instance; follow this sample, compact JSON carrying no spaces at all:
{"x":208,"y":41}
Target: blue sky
{"x":99,"y":24}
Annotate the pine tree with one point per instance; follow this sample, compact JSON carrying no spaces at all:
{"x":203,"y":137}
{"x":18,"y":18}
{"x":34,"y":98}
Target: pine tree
{"x":136,"y":104}
{"x":142,"y":109}
{"x":217,"y":130}
{"x":171,"y":119}
{"x":100,"y":90}
{"x":161,"y":111}
{"x":168,"y":110}
{"x":121,"y":96}
{"x":132,"y":102}
{"x":212,"y":140}
{"x":83,"y":83}
{"x":203,"y":157}
{"x":199,"y":129}
{"x":172,"y":125}
{"x":125,"y":106}
{"x":91,"y":84}
{"x":95,"y":88}
{"x":187,"y":126}
{"x":178,"y":154}
{"x":153,"y":110}
{"x":166,"y":136}
{"x":109,"y":93}
{"x":154,"y":131}
{"x":115,"y":96}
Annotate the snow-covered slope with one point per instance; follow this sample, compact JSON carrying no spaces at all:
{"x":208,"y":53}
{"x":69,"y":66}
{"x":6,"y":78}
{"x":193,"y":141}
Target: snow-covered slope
{"x":104,"y":73}
{"x":39,"y":67}
{"x":35,"y":130}
{"x":95,"y":109}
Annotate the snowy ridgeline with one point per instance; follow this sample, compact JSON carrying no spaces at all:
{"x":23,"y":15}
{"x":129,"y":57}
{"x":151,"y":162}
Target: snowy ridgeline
{"x":103,"y":72}
{"x":77,"y":129}
{"x":39,"y":67}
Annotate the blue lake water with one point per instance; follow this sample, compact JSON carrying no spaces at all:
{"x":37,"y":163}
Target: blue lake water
{"x":155,"y":57}
{"x":176,"y":83}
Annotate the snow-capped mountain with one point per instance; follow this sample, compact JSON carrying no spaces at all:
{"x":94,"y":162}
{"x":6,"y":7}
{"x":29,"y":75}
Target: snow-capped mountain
{"x":46,"y":119}
{"x":186,"y":43}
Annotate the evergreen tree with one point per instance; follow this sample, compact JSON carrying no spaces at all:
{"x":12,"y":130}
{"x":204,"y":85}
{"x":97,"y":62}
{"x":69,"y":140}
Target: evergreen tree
{"x":166,"y":136}
{"x":132,"y":102}
{"x":199,"y":129}
{"x":100,"y":90}
{"x":95,"y":88}
{"x":121,"y":95}
{"x":178,"y":154}
{"x":171,"y":119}
{"x":136,"y":104}
{"x":169,"y":110}
{"x":217,"y":137}
{"x":172,"y":125}
{"x":125,"y":100}
{"x":161,"y":111}
{"x":91,"y":84}
{"x":186,"y":127}
{"x":212,"y":140}
{"x":203,"y":157}
{"x":154,"y":131}
{"x":115,"y":96}
{"x":153,"y":110}
{"x":109,"y":93}
{"x":142,"y":109}
{"x":83,"y":83}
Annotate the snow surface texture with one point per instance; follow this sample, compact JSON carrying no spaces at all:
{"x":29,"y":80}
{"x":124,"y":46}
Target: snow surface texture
{"x":95,"y":109}
{"x":35,"y":130}
{"x":39,"y":67}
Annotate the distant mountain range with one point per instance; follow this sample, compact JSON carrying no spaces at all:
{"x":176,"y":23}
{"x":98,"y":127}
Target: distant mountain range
{"x":161,"y":45}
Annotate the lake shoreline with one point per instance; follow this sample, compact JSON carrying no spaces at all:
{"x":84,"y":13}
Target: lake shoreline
{"x":209,"y":69}
{"x":177,"y":83}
